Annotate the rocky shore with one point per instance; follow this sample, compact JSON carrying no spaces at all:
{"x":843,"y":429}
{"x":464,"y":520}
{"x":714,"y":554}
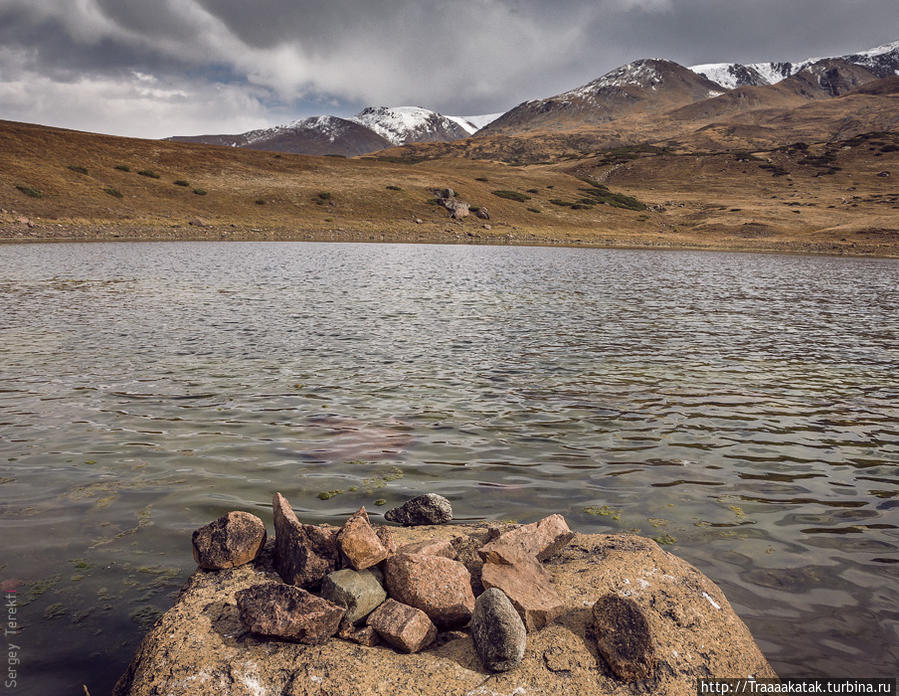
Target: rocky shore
{"x":436,"y":608}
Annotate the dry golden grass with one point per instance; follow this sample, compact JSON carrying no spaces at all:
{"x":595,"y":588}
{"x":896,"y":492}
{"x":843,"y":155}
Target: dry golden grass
{"x":694,"y":197}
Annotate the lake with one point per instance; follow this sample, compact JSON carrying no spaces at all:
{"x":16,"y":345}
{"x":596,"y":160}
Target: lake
{"x":742,"y":409}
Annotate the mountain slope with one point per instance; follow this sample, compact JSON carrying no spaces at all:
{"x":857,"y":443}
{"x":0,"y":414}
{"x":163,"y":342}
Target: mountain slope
{"x":318,"y":135}
{"x":646,"y":86}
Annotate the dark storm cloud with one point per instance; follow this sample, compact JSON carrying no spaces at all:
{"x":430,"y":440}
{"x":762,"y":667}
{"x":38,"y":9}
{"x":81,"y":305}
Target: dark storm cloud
{"x":214,"y":65}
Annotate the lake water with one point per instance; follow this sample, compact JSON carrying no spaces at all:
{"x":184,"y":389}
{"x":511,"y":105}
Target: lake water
{"x":743,"y":409}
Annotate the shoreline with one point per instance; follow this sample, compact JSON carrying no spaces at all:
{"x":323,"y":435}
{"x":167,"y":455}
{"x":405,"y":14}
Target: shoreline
{"x":791,"y":247}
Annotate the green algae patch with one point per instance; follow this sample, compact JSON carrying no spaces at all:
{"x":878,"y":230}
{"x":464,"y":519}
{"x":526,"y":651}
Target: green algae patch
{"x":55,"y":610}
{"x":603,"y":511}
{"x":327,"y":495}
{"x":664,"y":539}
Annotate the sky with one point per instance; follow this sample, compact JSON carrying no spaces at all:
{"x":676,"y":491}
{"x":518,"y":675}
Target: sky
{"x":153,"y":68}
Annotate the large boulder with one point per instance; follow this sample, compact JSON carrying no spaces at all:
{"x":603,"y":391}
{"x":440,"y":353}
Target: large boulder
{"x":497,"y":631}
{"x":199,"y":646}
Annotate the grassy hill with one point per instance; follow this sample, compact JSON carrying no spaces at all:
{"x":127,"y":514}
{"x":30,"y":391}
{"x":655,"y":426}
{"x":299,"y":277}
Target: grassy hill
{"x":835,"y":197}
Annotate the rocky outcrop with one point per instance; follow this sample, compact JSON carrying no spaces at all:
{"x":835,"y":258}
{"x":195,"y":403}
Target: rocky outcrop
{"x":425,"y":509}
{"x":229,"y":541}
{"x":199,"y":646}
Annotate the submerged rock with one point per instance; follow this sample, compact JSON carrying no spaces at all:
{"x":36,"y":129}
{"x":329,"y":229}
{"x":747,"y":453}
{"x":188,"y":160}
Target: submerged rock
{"x":283,"y":611}
{"x":438,"y":586}
{"x":622,"y":637}
{"x":404,"y":627}
{"x":304,"y":553}
{"x":424,"y":509}
{"x":497,"y":631}
{"x":229,"y":541}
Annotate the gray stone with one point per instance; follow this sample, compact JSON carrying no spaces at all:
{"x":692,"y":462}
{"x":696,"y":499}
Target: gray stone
{"x":424,"y":509}
{"x":498,"y":631}
{"x":357,"y":590}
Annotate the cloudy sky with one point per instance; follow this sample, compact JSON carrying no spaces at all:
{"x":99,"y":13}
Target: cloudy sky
{"x":152,"y":68}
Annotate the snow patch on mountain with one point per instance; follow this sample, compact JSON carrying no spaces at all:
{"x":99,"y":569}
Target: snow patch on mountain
{"x":640,"y":73}
{"x":882,"y":60}
{"x":409,"y":124}
{"x":472,"y":124}
{"x":331,"y":127}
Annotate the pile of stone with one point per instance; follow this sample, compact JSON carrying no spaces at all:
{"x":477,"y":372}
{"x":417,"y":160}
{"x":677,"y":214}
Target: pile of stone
{"x":354,"y":583}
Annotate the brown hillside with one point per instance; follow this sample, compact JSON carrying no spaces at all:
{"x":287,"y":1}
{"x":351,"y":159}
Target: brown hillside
{"x":824,"y":197}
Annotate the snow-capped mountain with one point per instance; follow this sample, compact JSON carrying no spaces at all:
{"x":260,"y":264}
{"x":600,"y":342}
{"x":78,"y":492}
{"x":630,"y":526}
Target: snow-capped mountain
{"x":646,"y":86}
{"x":402,"y":125}
{"x":883,"y":61}
{"x":374,"y":128}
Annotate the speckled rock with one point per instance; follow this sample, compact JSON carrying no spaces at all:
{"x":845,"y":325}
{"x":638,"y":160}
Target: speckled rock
{"x":199,"y":646}
{"x":385,"y":536}
{"x":437,"y":547}
{"x":424,"y":509}
{"x":541,"y":539}
{"x":439,"y":586}
{"x":361,"y":635}
{"x":405,"y":628}
{"x":304,"y":553}
{"x":528,"y":587}
{"x":357,"y":590}
{"x":622,"y":637}
{"x":277,"y":610}
{"x":229,"y":541}
{"x":359,"y":542}
{"x":497,"y":631}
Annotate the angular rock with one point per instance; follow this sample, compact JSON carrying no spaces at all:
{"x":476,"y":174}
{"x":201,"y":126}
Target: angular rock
{"x":527,"y":586}
{"x":439,"y":586}
{"x":304,"y":553}
{"x":365,"y":635}
{"x":424,"y":509}
{"x":405,"y":628}
{"x":357,"y":590}
{"x":229,"y":542}
{"x":430,"y":547}
{"x":623,"y":637}
{"x":498,"y":631}
{"x":359,"y":542}
{"x":386,"y":539}
{"x":284,"y":611}
{"x":541,"y":539}
{"x":482,"y":213}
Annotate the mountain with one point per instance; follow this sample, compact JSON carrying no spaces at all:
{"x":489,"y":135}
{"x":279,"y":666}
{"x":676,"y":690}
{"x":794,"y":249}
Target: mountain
{"x":645,"y":86}
{"x":882,"y":61}
{"x":318,"y":135}
{"x":401,"y":125}
{"x":374,"y":128}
